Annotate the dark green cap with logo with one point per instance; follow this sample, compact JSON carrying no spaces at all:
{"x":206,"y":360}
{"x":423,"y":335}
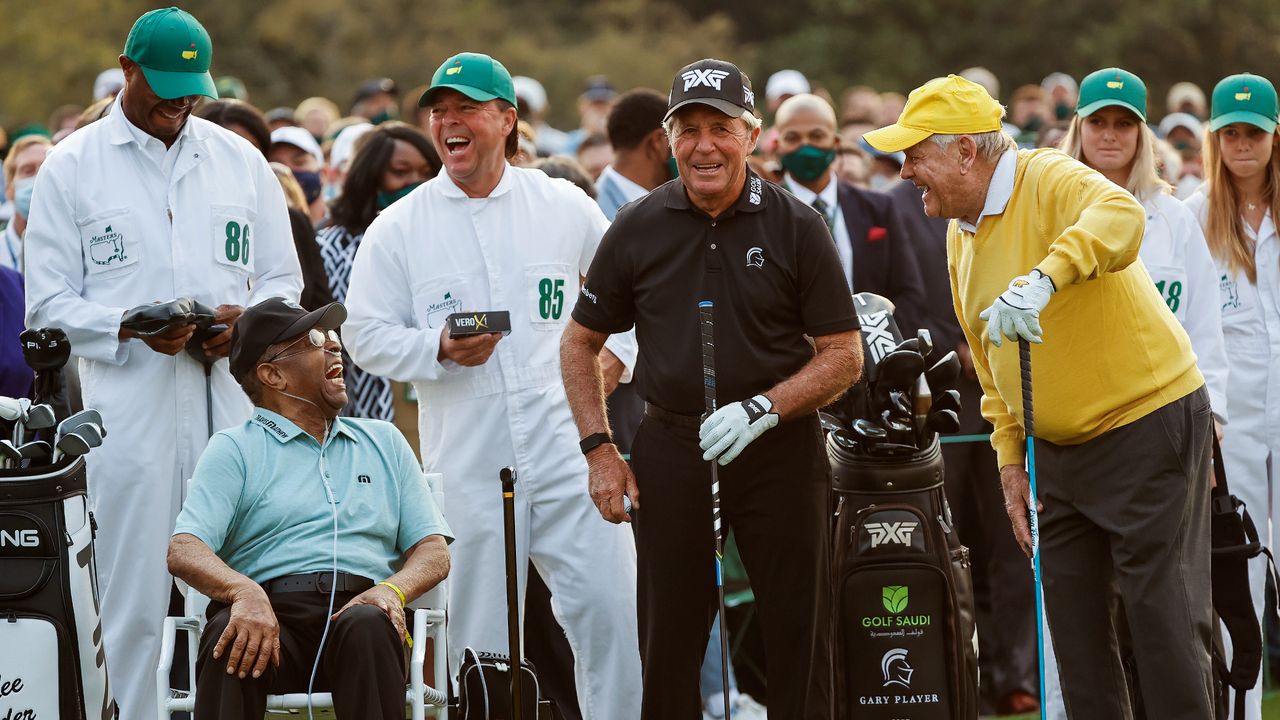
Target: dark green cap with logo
{"x":1112,"y":87}
{"x":174,"y":52}
{"x":1244,"y":98}
{"x":475,"y":75}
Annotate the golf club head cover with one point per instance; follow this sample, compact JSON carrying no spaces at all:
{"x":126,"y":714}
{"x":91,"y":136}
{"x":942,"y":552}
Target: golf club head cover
{"x":1235,"y":541}
{"x":155,"y":318}
{"x":45,"y":348}
{"x":47,"y":351}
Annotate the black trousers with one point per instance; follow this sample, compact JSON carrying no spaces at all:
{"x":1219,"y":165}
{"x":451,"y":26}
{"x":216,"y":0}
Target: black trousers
{"x":364,"y":663}
{"x":776,"y":496}
{"x":1129,"y":511}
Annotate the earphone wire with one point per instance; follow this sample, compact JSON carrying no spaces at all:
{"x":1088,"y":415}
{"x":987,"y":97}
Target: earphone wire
{"x":333,"y":585}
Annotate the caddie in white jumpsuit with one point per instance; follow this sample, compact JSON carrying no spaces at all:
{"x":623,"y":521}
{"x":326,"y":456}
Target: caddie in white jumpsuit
{"x":1244,"y":113}
{"x":486,"y":236}
{"x":150,"y":204}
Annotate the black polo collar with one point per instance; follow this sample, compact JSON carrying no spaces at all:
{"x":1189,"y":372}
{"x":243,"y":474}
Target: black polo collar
{"x":753,"y":197}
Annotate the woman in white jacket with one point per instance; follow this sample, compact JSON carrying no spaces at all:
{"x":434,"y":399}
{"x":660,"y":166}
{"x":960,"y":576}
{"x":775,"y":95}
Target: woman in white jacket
{"x":1109,"y":134}
{"x":1237,"y":207}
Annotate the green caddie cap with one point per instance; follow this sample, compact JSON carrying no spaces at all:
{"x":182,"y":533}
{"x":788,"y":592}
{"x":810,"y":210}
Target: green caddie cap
{"x":174,"y":52}
{"x":1244,"y":98}
{"x":475,"y":75}
{"x":1112,"y":86}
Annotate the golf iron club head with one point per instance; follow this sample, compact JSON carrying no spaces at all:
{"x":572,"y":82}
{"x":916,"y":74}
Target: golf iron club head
{"x":924,"y":343}
{"x":942,"y":422}
{"x":37,"y":451}
{"x":948,"y":400}
{"x":943,"y":374}
{"x":828,"y":422}
{"x":899,"y":369}
{"x":78,"y":441}
{"x":9,"y":454}
{"x":86,"y":416}
{"x":40,"y":417}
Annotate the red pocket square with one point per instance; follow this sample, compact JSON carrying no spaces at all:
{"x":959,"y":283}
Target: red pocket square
{"x":876,"y":234}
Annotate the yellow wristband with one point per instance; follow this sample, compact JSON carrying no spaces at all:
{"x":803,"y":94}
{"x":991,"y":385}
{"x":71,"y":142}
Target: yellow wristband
{"x":399,"y":592}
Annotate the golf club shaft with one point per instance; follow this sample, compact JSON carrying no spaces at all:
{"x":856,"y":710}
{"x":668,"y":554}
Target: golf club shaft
{"x":1028,"y":424}
{"x":208,"y":399}
{"x":706,"y":311}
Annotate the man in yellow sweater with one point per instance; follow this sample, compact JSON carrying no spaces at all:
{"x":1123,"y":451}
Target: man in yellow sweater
{"x":1043,"y":248}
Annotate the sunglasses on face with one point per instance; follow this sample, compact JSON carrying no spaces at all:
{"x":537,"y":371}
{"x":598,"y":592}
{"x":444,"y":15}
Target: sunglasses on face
{"x":317,"y":339}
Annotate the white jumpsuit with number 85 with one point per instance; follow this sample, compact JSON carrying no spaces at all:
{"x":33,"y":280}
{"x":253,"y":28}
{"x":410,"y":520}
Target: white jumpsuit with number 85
{"x":521,"y":249}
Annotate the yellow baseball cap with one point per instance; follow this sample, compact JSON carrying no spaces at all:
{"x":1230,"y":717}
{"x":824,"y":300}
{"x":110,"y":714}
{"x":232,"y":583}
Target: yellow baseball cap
{"x":949,"y":105}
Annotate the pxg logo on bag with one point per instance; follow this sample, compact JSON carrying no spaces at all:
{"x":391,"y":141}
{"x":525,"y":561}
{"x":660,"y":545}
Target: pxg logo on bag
{"x":479,"y":323}
{"x":892,"y":531}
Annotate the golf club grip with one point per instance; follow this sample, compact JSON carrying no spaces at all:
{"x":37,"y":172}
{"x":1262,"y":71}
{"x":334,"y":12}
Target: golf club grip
{"x":706,"y":312}
{"x":1024,"y":363}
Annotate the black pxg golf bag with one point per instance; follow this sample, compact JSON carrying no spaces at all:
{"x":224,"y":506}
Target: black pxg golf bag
{"x":906,"y":636}
{"x":52,"y":663}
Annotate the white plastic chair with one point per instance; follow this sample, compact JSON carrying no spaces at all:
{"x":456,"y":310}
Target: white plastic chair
{"x":422,"y":700}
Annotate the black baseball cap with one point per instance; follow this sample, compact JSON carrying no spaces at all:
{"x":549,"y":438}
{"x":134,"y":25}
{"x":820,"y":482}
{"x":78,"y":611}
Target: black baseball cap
{"x":717,"y":83}
{"x":271,"y":321}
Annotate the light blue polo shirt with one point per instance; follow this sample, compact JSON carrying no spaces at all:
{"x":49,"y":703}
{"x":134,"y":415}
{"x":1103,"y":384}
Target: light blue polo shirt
{"x":257,"y":499}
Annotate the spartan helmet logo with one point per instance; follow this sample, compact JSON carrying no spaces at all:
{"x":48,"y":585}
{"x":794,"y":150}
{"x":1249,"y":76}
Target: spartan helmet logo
{"x":895,"y":668}
{"x":755,"y":258}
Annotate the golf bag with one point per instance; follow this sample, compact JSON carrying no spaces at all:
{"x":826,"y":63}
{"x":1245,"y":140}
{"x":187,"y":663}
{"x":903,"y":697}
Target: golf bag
{"x":906,"y":643}
{"x":52,"y":663}
{"x":906,"y":635}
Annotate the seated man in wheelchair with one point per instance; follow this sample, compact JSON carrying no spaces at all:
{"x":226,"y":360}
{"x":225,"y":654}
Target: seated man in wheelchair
{"x":308,"y":532}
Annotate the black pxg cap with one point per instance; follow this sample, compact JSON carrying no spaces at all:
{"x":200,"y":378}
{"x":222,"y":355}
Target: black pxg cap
{"x":711,"y":82}
{"x":271,"y":321}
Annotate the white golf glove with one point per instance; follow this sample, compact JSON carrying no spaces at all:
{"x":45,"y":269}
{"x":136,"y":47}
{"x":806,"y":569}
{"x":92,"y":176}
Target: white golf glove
{"x":734,"y":426}
{"x":1016,"y":313}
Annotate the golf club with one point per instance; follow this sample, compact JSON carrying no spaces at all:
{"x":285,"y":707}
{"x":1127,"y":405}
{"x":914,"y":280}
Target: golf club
{"x":924,"y":342}
{"x":46,"y":351}
{"x":828,"y":422}
{"x":869,"y":434}
{"x":897,"y":371}
{"x":196,"y":350}
{"x":37,"y":451}
{"x":706,"y":311}
{"x":9,"y":454}
{"x":78,"y":441}
{"x":943,"y":374}
{"x":900,"y":433}
{"x":948,"y":400}
{"x":1033,"y":513}
{"x":88,"y":415}
{"x":942,"y":422}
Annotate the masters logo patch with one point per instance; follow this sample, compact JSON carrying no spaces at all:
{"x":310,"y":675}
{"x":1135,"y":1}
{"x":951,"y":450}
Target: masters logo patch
{"x":107,"y":248}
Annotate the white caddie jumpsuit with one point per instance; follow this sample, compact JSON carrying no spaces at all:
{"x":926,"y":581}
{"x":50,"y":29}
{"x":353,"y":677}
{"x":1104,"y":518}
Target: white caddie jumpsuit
{"x":116,"y":221}
{"x":521,"y":249}
{"x":1251,"y":442}
{"x":1177,"y":258}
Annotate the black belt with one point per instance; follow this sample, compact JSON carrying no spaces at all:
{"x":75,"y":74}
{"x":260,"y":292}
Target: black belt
{"x":320,"y":582}
{"x":672,"y":418}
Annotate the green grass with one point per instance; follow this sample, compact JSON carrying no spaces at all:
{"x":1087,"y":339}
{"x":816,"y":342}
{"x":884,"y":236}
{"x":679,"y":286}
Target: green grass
{"x":1270,"y":709}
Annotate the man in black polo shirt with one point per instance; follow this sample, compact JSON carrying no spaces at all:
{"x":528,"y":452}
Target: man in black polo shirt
{"x":720,"y":233}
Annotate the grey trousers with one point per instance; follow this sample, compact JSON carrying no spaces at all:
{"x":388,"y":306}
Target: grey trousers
{"x":1126,"y":515}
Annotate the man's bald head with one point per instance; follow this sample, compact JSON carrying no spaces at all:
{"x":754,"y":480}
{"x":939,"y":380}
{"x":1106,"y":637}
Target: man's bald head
{"x":808,"y":105}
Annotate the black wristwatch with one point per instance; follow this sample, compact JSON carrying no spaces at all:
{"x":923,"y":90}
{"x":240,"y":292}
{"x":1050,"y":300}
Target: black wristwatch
{"x":593,"y":441}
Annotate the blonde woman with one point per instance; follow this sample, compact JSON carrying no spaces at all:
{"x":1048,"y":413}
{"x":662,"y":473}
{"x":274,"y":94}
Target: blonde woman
{"x":1109,"y":134}
{"x":1237,"y":207}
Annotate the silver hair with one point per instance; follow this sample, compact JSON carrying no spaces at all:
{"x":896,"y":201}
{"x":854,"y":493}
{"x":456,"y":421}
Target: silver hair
{"x":753,"y":122}
{"x":991,"y":145}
